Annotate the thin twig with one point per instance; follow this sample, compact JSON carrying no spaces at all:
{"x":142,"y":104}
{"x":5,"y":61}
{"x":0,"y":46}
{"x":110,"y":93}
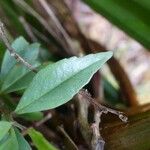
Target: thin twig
{"x":69,"y":143}
{"x":28,"y":9}
{"x":46,"y":118}
{"x":14,"y":54}
{"x":102,"y":108}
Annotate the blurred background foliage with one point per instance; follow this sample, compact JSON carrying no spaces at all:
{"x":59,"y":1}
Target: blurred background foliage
{"x":69,"y":27}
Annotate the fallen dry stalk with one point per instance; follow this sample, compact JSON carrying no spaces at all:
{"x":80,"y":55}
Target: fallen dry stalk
{"x":93,"y":135}
{"x":102,"y":108}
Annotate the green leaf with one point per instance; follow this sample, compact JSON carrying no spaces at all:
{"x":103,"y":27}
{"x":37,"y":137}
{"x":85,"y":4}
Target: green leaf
{"x":18,"y":76}
{"x":132,"y":16}
{"x":56,"y":84}
{"x":19,"y":45}
{"x":39,"y":141}
{"x":31,"y":52}
{"x":14,"y":141}
{"x":11,"y":142}
{"x":4,"y":128}
{"x":22,"y":143}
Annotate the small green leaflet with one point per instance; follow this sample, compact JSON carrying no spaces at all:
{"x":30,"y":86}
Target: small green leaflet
{"x":17,"y":79}
{"x":11,"y":142}
{"x":39,"y":141}
{"x":20,"y":44}
{"x":14,"y":75}
{"x":4,"y":128}
{"x":14,"y":141}
{"x":57,"y":83}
